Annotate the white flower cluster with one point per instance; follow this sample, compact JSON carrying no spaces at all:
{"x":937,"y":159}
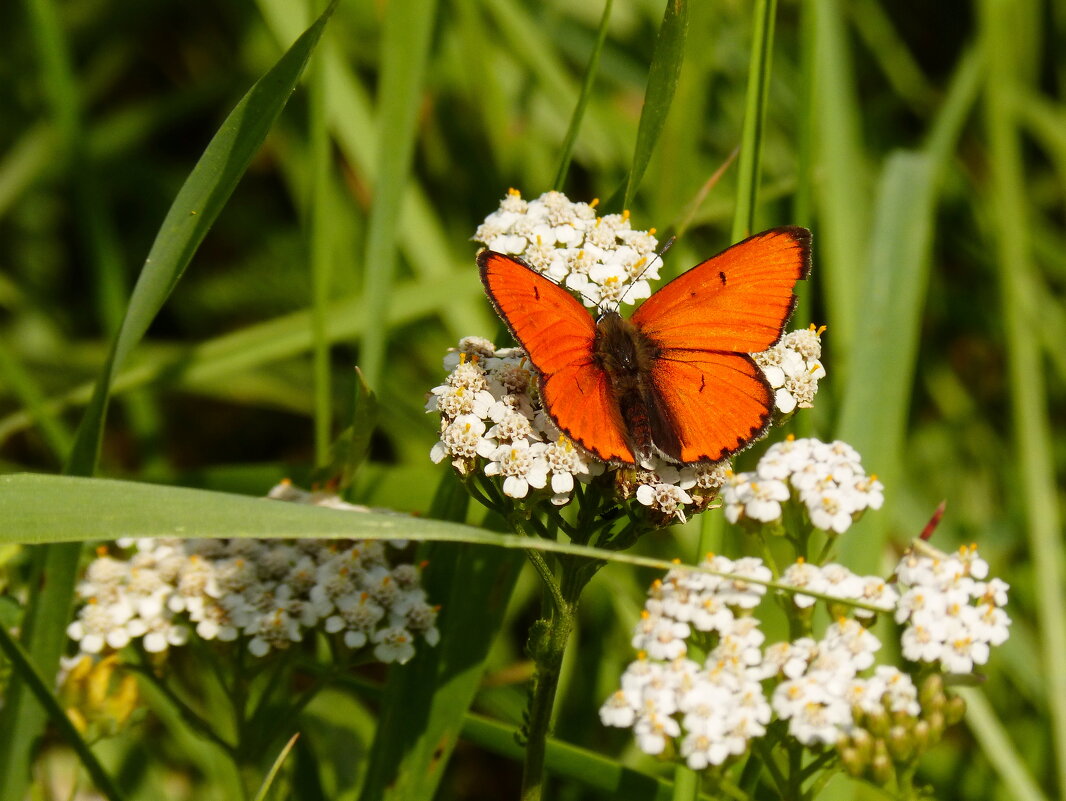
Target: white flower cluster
{"x":827,"y":689}
{"x":793,"y":368}
{"x":822,"y":685}
{"x":269,"y":592}
{"x":826,"y":477}
{"x":601,"y":259}
{"x":952,"y":614}
{"x":840,"y":583}
{"x":492,"y":420}
{"x":715,"y":707}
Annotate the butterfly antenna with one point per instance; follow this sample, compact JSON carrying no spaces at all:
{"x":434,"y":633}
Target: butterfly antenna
{"x":658,"y":256}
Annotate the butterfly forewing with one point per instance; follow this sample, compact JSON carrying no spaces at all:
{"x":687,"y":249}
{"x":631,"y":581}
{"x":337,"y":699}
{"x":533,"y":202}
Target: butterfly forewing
{"x":735,"y":302}
{"x":558,"y":334}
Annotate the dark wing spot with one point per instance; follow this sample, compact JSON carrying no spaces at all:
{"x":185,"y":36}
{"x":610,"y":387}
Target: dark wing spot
{"x":722,"y":276}
{"x":703,"y":382}
{"x":692,"y":294}
{"x":536,"y":292}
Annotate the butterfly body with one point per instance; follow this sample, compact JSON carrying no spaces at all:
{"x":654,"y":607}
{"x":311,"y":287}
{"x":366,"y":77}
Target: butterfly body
{"x":626,"y":356}
{"x":676,"y":379}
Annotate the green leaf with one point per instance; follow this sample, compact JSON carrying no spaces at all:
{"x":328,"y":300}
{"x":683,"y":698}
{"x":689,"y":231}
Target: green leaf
{"x":877,"y":399}
{"x":878,"y":392}
{"x":663,"y":75}
{"x":843,"y":188}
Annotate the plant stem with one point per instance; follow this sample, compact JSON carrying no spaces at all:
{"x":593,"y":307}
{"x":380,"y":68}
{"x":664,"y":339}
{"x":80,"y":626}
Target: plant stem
{"x":548,"y":645}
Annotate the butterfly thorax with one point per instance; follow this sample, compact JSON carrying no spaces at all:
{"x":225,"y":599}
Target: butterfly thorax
{"x":626,"y":354}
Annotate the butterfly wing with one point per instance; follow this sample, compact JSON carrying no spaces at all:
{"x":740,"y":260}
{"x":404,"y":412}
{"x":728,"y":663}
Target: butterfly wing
{"x":558,"y":334}
{"x":703,"y":324}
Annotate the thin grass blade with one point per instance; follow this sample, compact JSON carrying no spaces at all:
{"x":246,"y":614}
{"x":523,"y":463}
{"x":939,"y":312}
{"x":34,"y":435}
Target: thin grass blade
{"x":582,"y":101}
{"x":22,"y":666}
{"x":1009,"y":214}
{"x":405,"y":51}
{"x":663,"y":75}
{"x":754,"y":118}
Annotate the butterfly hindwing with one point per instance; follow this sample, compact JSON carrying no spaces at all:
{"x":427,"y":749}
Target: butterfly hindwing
{"x":558,"y":334}
{"x":735,"y":302}
{"x":717,"y":403}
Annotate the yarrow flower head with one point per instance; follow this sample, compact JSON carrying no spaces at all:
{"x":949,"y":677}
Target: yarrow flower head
{"x":828,"y":691}
{"x":952,"y":612}
{"x":603,"y":260}
{"x":793,"y":367}
{"x":827,"y":479}
{"x":267,"y":593}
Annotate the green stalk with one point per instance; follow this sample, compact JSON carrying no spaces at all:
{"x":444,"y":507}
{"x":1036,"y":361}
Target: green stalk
{"x":548,"y":639}
{"x":1032,"y":434}
{"x":686,"y":784}
{"x":319,"y":249}
{"x":754,"y":118}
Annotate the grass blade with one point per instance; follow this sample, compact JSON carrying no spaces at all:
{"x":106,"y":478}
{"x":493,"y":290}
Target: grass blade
{"x":405,"y":49}
{"x":191,"y":215}
{"x":663,"y":75}
{"x":843,"y":191}
{"x":874,"y":414}
{"x":754,"y":118}
{"x":997,"y":747}
{"x":268,"y":781}
{"x":320,"y":251}
{"x":1009,"y":213}
{"x":23,"y":667}
{"x":878,"y":391}
{"x":583,"y":99}
{"x":425,"y":701}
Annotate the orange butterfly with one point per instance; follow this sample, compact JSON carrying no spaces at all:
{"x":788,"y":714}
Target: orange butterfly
{"x":674,"y":380}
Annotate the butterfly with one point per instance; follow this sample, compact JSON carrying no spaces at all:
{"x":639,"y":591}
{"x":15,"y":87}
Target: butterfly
{"x":675,"y":380}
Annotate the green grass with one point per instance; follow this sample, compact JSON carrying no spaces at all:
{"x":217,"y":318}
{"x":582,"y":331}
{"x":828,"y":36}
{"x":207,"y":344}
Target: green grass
{"x":217,"y":266}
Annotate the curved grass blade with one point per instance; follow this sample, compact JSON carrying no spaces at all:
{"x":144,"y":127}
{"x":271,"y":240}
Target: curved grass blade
{"x":195,"y":208}
{"x":754,"y":118}
{"x":583,"y":99}
{"x":663,"y":74}
{"x":38,"y":508}
{"x":23,"y":667}
{"x":191,"y":215}
{"x":272,"y":774}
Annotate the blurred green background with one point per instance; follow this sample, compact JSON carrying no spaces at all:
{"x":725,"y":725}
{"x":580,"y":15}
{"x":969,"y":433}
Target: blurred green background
{"x":923,"y":143}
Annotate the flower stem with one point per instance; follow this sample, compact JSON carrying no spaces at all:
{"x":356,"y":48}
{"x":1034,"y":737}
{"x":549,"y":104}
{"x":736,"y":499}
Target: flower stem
{"x":548,"y":640}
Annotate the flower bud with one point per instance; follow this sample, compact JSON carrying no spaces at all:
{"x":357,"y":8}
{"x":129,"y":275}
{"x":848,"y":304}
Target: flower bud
{"x":900,"y":744}
{"x":881,"y":765}
{"x":931,"y":692}
{"x":954,"y":710}
{"x":853,"y":761}
{"x":923,"y":737}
